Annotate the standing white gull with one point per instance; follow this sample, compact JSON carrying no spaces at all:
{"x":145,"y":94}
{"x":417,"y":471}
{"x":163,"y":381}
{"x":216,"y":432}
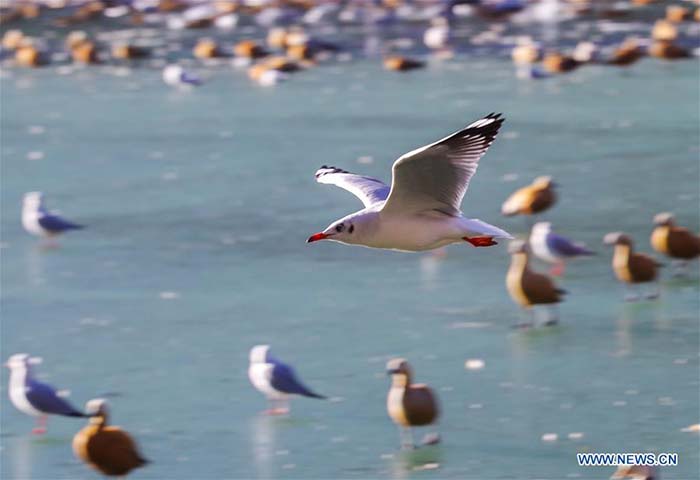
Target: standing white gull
{"x":554,"y":248}
{"x":275,"y":379}
{"x":37,"y":220}
{"x":33,"y":397}
{"x":421,"y":210}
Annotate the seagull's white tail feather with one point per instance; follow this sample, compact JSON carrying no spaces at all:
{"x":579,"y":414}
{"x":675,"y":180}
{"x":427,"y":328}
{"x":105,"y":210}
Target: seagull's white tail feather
{"x":476,"y":226}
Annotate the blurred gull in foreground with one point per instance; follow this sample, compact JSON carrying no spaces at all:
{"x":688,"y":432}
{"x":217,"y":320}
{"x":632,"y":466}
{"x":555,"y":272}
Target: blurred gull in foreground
{"x":421,"y":209}
{"x":37,"y":220}
{"x":554,"y":248}
{"x":276,"y":380}
{"x":33,"y":397}
{"x":106,"y":448}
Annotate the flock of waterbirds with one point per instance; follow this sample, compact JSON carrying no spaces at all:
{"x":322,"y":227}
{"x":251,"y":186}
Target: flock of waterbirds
{"x":272,"y":40}
{"x":419,"y":211}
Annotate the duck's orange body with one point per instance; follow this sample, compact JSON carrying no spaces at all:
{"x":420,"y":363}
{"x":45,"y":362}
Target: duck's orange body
{"x":409,"y":405}
{"x":674,"y":241}
{"x":108,"y":449}
{"x":628,"y":265}
{"x":527,"y":287}
{"x":534,"y":198}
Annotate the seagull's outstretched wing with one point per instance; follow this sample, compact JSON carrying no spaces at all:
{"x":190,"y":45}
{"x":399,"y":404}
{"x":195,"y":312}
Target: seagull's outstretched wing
{"x":368,"y":190}
{"x":45,"y":399}
{"x":54,"y":223}
{"x":285,"y":380}
{"x":436,"y":177}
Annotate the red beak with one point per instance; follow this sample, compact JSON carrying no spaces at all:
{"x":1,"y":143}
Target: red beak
{"x":317,"y":236}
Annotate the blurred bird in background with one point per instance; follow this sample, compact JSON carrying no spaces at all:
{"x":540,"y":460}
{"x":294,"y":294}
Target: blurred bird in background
{"x":276,"y":380}
{"x":532,"y":199}
{"x":108,"y":449}
{"x":33,"y":397}
{"x":630,"y":267}
{"x":410,"y":404}
{"x":554,"y":248}
{"x":528,"y":288}
{"x":678,"y":243}
{"x":39,"y":221}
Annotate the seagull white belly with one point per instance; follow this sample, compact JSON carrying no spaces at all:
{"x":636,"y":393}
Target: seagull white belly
{"x":18,"y":396}
{"x":539,"y":248}
{"x":258,"y":375}
{"x":416,"y":232}
{"x":30,"y":222}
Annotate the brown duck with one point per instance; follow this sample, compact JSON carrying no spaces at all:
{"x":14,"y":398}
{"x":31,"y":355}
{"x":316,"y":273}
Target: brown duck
{"x":409,"y":405}
{"x":631,"y":267}
{"x":528,"y":288}
{"x":626,"y":54}
{"x":676,"y":242}
{"x":107,"y":449}
{"x":402,"y":64}
{"x":534,"y":198}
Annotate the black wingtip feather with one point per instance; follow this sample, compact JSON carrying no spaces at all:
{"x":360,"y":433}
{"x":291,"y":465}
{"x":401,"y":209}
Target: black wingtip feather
{"x":490,"y":130}
{"x":330,"y":169}
{"x":315,"y":395}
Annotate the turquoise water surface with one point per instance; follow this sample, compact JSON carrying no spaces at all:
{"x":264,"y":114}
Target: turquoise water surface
{"x":199,"y":204}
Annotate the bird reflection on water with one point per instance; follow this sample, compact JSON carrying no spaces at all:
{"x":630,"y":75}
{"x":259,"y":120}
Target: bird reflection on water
{"x":405,"y":462}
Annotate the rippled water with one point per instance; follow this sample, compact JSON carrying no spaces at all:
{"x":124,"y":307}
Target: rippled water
{"x":199,"y":204}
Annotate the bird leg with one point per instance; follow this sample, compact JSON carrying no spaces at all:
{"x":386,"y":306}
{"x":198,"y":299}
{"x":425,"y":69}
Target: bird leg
{"x":655,"y":292}
{"x":526,"y":322}
{"x":480,"y":241}
{"x":551,"y":316}
{"x":406,"y":436}
{"x":277,"y":407}
{"x":630,"y":294}
{"x":50,"y":244}
{"x":680,"y":268}
{"x":40,"y":428}
{"x":558,"y":269}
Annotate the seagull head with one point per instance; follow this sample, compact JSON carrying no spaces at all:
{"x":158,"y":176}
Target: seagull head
{"x":21,"y":361}
{"x":617,"y":238}
{"x":33,"y":200}
{"x":541,"y":228}
{"x":664,"y":219}
{"x":346,"y":230}
{"x":258,"y":354}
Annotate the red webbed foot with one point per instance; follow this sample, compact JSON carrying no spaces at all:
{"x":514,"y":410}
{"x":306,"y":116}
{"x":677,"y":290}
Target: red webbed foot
{"x":481,"y":241}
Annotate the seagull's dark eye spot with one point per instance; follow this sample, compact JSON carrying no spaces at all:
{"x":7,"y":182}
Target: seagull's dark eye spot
{"x":351,"y":229}
{"x":339,"y":227}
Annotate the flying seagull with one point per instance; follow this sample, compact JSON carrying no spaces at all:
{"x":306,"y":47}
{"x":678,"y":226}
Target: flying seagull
{"x":421,"y":209}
